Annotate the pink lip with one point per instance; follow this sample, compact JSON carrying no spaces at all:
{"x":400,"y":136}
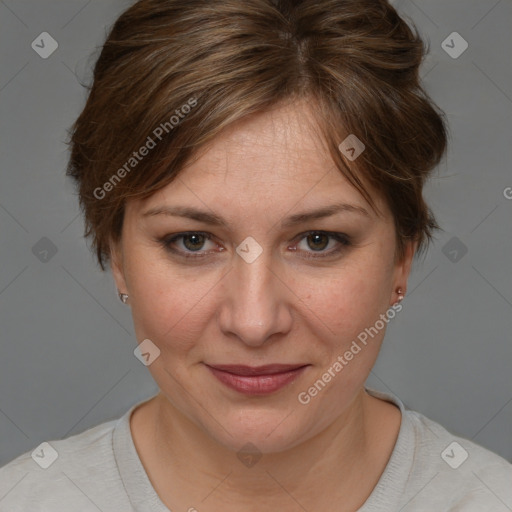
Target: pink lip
{"x":259,"y":380}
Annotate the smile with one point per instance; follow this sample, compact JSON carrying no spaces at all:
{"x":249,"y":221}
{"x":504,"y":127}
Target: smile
{"x":256,"y":380}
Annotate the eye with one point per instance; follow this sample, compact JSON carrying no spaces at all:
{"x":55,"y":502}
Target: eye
{"x":318,"y":241}
{"x":193,"y":243}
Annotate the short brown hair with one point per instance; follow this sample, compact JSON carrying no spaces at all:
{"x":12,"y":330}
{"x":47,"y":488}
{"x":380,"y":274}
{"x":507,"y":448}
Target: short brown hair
{"x":356,"y":61}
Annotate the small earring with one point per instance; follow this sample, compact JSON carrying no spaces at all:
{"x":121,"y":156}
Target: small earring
{"x":123,"y":297}
{"x":400,"y":295}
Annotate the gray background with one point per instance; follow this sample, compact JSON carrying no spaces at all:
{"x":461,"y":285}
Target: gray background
{"x":67,"y":342}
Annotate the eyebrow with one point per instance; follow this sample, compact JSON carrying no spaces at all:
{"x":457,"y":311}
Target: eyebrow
{"x":215,"y":220}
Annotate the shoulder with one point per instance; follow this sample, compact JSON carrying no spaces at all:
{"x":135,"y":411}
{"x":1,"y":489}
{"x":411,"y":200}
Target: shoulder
{"x":78,"y":471}
{"x":432,"y":468}
{"x":455,"y":474}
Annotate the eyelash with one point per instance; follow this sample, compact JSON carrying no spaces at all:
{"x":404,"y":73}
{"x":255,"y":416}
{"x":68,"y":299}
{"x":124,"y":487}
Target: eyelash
{"x":343,"y":239}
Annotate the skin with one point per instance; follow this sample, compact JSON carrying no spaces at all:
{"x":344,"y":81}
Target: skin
{"x":281,"y":308}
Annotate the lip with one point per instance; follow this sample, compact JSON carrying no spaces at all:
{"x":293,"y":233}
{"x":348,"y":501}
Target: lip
{"x":256,"y":380}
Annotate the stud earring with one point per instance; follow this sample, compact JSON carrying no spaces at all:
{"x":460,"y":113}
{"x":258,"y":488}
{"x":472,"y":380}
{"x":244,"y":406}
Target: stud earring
{"x":123,"y":297}
{"x":400,"y":295}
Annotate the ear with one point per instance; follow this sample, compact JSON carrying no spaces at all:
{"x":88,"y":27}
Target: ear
{"x":403,"y":269}
{"x":117,"y":265}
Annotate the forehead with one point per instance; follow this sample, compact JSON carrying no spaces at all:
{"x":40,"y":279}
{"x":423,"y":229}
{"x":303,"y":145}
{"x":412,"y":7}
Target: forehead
{"x":281,"y":143}
{"x":274,"y":155}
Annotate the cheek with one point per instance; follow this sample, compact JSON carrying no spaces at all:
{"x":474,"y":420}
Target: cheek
{"x":348,"y":300}
{"x":351,"y":306}
{"x":168,"y":305}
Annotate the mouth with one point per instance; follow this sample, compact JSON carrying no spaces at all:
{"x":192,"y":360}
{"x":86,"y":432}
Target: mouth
{"x":257,"y":380}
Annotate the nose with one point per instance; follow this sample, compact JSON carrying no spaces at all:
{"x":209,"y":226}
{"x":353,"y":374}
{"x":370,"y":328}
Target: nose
{"x":255,"y":305}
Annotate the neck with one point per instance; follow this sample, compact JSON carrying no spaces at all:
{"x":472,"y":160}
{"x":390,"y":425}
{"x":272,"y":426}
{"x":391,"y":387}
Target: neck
{"x":345,"y":460}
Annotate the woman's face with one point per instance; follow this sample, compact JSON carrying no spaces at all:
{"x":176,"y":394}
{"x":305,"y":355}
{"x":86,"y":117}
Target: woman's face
{"x":261,"y":290}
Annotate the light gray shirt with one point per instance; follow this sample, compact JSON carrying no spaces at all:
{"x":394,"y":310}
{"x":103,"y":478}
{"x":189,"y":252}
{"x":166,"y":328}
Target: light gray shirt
{"x":430,"y":470}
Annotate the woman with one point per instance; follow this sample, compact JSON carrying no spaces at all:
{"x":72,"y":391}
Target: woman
{"x":253,"y":173}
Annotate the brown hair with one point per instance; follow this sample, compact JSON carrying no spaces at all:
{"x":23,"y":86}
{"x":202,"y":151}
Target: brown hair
{"x":172,"y":74}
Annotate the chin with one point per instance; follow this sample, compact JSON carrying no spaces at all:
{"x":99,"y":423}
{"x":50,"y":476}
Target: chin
{"x":264,"y":430}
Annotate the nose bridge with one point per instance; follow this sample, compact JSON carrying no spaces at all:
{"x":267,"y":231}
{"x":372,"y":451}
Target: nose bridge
{"x":254,"y":310}
{"x":255,"y":284}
